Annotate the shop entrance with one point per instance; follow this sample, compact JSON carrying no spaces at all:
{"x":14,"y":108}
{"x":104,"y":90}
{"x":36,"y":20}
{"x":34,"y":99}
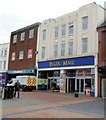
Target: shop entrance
{"x":72,"y":85}
{"x":80,"y":85}
{"x":53,"y":83}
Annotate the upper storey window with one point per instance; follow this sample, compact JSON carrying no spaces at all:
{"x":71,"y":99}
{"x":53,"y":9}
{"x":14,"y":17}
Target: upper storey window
{"x":85,"y":22}
{"x":44,"y":35}
{"x":56,"y":32}
{"x":71,"y":28}
{"x":14,"y":38}
{"x":22,"y":36}
{"x":31,"y":33}
{"x":63,"y":30}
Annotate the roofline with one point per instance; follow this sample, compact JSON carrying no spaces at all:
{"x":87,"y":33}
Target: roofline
{"x":21,"y":29}
{"x":4,"y":43}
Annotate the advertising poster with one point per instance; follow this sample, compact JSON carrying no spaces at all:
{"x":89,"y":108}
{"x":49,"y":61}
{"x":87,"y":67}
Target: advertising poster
{"x":21,"y":55}
{"x":41,"y":81}
{"x":30,"y":53}
{"x":62,"y":85}
{"x":13,"y":56}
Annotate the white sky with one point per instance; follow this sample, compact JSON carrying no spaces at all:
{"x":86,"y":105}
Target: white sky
{"x":15,"y":14}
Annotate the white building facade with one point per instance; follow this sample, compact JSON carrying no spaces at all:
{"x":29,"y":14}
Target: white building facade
{"x":4,"y":54}
{"x":68,"y":50}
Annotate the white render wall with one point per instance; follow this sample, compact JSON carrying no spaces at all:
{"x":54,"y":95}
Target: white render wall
{"x":95,"y":15}
{"x":3,"y":58}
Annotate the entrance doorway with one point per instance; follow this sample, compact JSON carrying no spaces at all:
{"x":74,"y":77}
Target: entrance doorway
{"x":53,"y":83}
{"x":80,"y":85}
{"x":72,"y":85}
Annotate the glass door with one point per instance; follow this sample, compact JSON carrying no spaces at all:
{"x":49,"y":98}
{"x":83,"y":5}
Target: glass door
{"x":80,"y":85}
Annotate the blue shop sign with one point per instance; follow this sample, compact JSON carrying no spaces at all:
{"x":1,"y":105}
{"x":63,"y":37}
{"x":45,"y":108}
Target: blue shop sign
{"x":71,"y":62}
{"x":21,"y":71}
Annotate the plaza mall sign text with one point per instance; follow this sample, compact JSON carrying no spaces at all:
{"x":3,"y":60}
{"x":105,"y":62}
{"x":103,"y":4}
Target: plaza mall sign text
{"x":81,"y":61}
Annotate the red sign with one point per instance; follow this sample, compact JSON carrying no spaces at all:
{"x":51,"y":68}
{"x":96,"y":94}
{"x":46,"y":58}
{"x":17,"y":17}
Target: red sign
{"x":30,"y":53}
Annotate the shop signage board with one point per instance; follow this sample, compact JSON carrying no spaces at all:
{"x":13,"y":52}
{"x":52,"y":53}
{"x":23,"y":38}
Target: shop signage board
{"x":71,"y":62}
{"x":21,"y":71}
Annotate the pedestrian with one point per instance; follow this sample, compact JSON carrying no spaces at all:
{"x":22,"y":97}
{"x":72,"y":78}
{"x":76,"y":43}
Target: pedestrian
{"x":17,"y":87}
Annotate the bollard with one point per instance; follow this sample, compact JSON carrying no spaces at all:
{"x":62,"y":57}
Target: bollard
{"x":76,"y":93}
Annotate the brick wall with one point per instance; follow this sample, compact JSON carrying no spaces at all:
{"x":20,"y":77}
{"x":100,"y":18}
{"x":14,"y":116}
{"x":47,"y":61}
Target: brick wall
{"x":25,"y":63}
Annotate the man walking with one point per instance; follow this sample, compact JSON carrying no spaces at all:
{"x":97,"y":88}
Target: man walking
{"x":17,"y":89}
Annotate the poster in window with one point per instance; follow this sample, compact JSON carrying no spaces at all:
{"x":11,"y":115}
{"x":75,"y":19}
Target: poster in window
{"x":13,"y":56}
{"x":21,"y":55}
{"x":30,"y":53}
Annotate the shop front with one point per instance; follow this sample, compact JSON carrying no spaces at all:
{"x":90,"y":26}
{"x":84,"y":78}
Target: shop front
{"x":69,"y":75}
{"x":14,"y":73}
{"x":3,"y":79}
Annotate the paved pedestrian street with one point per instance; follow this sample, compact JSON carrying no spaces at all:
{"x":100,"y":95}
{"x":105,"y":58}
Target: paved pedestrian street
{"x":45,"y":104}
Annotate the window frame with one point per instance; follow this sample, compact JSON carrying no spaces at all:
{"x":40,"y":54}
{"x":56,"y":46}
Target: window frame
{"x":70,"y":48}
{"x":31,"y":33}
{"x":85,"y":22}
{"x":43,"y":52}
{"x":56,"y":32}
{"x":55,"y":51}
{"x":22,"y":38}
{"x":63,"y":30}
{"x":15,"y":38}
{"x":84,"y":45}
{"x":62,"y":50}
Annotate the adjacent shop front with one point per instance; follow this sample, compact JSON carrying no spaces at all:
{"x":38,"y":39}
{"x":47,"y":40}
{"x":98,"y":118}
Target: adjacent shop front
{"x":3,"y":79}
{"x":70,"y":74}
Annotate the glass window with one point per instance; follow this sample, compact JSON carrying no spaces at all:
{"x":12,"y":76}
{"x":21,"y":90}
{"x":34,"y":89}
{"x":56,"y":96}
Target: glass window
{"x":84,"y":22}
{"x":13,"y":56}
{"x":21,"y":55}
{"x":31,"y":33}
{"x":55,"y":51}
{"x":63,"y":30}
{"x":4,"y":66}
{"x":43,"y":52}
{"x":63,"y":49}
{"x":71,"y":28}
{"x":44,"y":35}
{"x":56,"y":32}
{"x":14,"y":38}
{"x":70,"y":48}
{"x":1,"y":53}
{"x":5,"y":52}
{"x":0,"y":64}
{"x":84,"y":45}
{"x":22,"y":36}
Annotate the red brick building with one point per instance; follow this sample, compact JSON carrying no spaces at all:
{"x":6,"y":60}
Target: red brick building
{"x":22,"y":53}
{"x":101,"y":54}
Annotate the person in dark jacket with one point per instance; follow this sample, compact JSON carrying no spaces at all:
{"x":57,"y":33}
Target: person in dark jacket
{"x":17,"y":87}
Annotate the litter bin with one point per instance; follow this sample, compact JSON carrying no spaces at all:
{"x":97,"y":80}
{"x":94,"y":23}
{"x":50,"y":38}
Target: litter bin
{"x":9,"y":92}
{"x":76,"y":93}
{"x":88,"y":92}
